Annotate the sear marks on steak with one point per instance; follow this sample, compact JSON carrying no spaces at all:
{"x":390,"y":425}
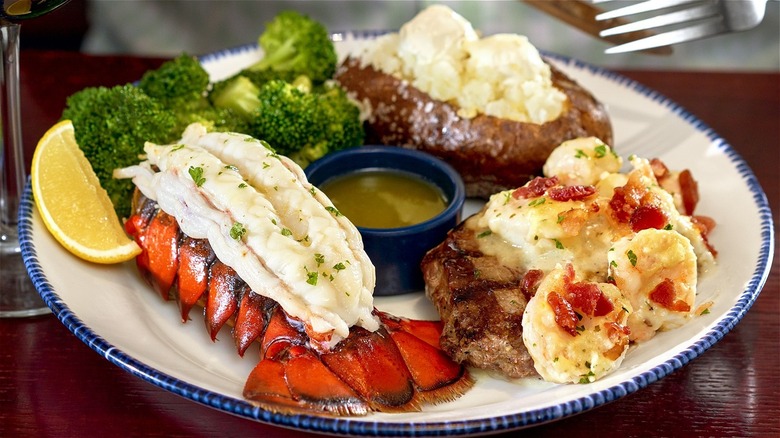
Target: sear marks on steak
{"x":481,"y":304}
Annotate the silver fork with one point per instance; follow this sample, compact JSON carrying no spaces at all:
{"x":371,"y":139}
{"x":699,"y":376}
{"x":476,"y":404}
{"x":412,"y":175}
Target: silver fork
{"x":701,"y":18}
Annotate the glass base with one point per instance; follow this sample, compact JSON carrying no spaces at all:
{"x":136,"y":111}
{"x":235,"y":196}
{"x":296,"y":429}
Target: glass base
{"x":18,"y":297}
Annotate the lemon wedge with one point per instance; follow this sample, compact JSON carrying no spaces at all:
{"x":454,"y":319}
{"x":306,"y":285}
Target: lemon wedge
{"x":19,"y":7}
{"x":73,"y":206}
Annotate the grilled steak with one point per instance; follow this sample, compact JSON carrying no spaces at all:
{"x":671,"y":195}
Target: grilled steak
{"x":481,"y":302}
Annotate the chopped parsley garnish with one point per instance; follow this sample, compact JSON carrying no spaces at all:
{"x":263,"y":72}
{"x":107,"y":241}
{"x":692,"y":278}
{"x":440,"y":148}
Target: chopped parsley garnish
{"x":601,"y":150}
{"x":311,"y":277}
{"x":558,"y":244}
{"x":231,"y":167}
{"x":177,"y":147}
{"x":319,"y":258}
{"x":339,"y":266}
{"x":537,"y":201}
{"x":580,"y":154}
{"x":631,"y":257}
{"x":242,"y":186}
{"x":197,"y":175}
{"x":286,"y":232}
{"x":333,"y":210}
{"x":237,"y":231}
{"x":589,"y":377}
{"x":484,"y":234}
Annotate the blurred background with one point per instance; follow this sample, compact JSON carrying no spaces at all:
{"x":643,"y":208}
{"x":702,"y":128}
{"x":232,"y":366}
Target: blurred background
{"x":166,"y":28}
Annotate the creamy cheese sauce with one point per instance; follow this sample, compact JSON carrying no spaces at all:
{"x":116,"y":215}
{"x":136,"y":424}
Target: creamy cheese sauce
{"x":619,"y":232}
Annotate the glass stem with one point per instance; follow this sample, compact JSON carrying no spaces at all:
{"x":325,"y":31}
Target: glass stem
{"x":12,"y":164}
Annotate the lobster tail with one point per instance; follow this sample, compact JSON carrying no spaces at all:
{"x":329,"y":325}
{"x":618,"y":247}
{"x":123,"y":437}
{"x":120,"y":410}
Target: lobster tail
{"x":397,"y":368}
{"x":195,"y":259}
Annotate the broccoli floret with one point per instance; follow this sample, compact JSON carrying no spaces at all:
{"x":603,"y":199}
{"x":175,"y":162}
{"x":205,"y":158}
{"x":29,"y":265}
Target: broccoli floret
{"x":305,"y":123}
{"x":345,"y":127}
{"x":288,"y":117}
{"x":180,"y":81}
{"x":237,"y":94}
{"x":182,"y":86}
{"x":111,"y":126}
{"x":294,"y":44}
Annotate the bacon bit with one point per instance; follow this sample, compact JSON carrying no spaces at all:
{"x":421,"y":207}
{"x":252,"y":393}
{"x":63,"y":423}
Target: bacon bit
{"x":664,"y":294}
{"x":568,"y":275}
{"x":572,"y":221}
{"x":619,"y":335}
{"x":635,"y":205}
{"x":659,"y":168}
{"x":705,"y":224}
{"x":648,"y":216}
{"x":589,"y":298}
{"x":689,"y":189}
{"x":623,"y":203}
{"x":530,"y":282}
{"x":583,"y":296}
{"x":535,"y":188}
{"x":565,"y":316}
{"x":570,"y":193}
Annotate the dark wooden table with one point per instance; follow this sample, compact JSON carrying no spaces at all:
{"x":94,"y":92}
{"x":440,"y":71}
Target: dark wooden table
{"x":51,"y":384}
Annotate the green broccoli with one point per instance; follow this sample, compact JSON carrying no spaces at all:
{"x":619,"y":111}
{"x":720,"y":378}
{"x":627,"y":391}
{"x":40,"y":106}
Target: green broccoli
{"x":305,"y":123}
{"x":287,"y":117}
{"x":237,"y":94}
{"x":295,"y":45}
{"x":182,"y":85}
{"x":111,"y":126}
{"x":284,"y":99}
{"x":345,"y":125}
{"x":179,"y":81}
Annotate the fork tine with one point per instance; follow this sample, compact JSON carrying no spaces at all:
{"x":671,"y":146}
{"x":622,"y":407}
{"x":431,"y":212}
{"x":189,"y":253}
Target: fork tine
{"x":696,"y":32}
{"x":694,"y":13}
{"x":647,"y":6}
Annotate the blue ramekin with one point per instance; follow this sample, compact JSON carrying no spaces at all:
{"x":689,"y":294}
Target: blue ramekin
{"x":397,"y":252}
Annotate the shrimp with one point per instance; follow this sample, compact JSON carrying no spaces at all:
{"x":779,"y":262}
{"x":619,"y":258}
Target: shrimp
{"x":582,"y":161}
{"x":657,"y":270}
{"x":575,"y":331}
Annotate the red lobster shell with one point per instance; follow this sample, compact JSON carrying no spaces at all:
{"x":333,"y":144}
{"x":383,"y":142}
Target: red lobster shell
{"x":397,"y":368}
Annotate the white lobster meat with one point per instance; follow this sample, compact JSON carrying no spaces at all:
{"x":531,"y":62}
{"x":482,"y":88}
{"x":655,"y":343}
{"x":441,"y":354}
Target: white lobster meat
{"x":263,"y":219}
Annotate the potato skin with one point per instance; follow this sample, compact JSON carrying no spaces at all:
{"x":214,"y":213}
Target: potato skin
{"x":490,"y":153}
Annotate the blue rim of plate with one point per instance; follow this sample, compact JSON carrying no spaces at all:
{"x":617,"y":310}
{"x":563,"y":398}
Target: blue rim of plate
{"x":361,"y":426}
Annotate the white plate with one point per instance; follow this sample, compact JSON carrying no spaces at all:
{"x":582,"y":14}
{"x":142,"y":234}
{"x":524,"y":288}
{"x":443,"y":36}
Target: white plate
{"x":117,"y":315}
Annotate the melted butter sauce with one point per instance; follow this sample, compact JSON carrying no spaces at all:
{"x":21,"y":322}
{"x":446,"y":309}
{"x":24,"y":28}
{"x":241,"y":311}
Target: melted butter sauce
{"x":384,"y":199}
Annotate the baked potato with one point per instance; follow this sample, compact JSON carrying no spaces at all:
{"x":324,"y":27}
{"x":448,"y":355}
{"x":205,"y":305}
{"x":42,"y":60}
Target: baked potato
{"x":490,"y":153}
